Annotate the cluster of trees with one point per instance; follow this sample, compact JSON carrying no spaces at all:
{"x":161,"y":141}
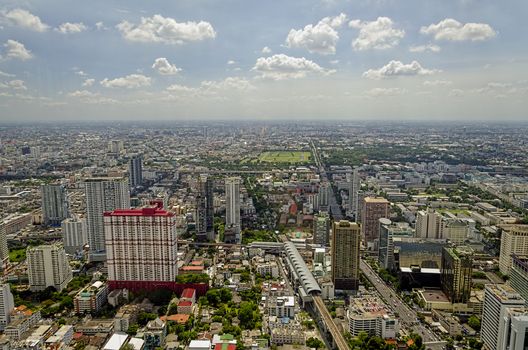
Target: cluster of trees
{"x":216,"y":296}
{"x":193,"y":278}
{"x":364,"y":341}
{"x":249,"y":236}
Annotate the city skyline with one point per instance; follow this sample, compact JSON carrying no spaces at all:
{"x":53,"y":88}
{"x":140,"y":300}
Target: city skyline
{"x":370,"y":60}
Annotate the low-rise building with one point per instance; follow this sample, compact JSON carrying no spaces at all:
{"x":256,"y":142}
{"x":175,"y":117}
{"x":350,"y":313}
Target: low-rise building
{"x":369,"y":314}
{"x":270,"y":268}
{"x":281,"y":306}
{"x":185,"y":307}
{"x":289,"y":333}
{"x":91,"y":298}
{"x":155,"y":333}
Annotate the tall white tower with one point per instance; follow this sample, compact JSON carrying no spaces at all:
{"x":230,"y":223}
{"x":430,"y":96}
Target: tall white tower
{"x":48,"y":266}
{"x":54,"y":204}
{"x":232,"y":195}
{"x":103,"y":194}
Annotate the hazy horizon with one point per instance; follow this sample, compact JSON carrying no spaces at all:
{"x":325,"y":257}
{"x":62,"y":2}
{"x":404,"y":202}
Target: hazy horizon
{"x":383,"y":60}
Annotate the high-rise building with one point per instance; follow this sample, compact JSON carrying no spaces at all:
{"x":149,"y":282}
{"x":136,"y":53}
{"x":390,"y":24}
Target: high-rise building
{"x":74,"y":235}
{"x":204,"y":209}
{"x":346,"y":240}
{"x":515,"y":335}
{"x":102,"y":194}
{"x":323,"y":194}
{"x":135,"y":171}
{"x":321,"y":229}
{"x":428,"y":224}
{"x":355,"y":187}
{"x":514,"y":240}
{"x":386,"y":245}
{"x":141,"y":248}
{"x":519,"y":275}
{"x":7,"y":304}
{"x":48,"y":266}
{"x":116,"y":146}
{"x":232,"y":197}
{"x":456,"y":273}
{"x":4,"y":249}
{"x":373,"y":210}
{"x":54,"y":204}
{"x":498,"y":298}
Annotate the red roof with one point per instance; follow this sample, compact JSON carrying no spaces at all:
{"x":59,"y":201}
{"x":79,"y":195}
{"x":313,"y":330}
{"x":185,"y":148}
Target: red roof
{"x":185,"y":303}
{"x":139,"y":212}
{"x":188,"y":293}
{"x":192,"y":268}
{"x":178,"y":318}
{"x":223,"y":346}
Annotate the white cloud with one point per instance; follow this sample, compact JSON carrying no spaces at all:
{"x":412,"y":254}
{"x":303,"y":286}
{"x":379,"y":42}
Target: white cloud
{"x":320,"y":38}
{"x":456,"y":93}
{"x":378,"y":34}
{"x":425,"y":48}
{"x":397,"y":68}
{"x":450,"y":29}
{"x":166,"y":30}
{"x":80,"y":73}
{"x":100,"y":26}
{"x":4,"y":74}
{"x":17,"y":84}
{"x":437,"y":83}
{"x":164,"y":67}
{"x":131,"y":81}
{"x":86,"y":96}
{"x":266,"y":50}
{"x":280,"y":66}
{"x":88,"y":82}
{"x":17,"y":50}
{"x":181,"y":89}
{"x":231,"y":62}
{"x":376,"y":92}
{"x":22,"y":18}
{"x":229,"y":83}
{"x":71,"y":28}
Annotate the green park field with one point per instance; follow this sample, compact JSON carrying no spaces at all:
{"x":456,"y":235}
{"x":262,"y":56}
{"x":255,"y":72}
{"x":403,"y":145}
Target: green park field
{"x":291,"y":157}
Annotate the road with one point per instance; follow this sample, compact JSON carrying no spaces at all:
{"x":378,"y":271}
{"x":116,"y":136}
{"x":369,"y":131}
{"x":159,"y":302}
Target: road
{"x":407,"y":316}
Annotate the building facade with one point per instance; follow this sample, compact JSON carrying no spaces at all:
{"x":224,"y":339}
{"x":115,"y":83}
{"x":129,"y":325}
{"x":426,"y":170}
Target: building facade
{"x":498,"y":298}
{"x":54,"y":204}
{"x":7,"y":304}
{"x":135,"y":171}
{"x":514,"y":240}
{"x":204,"y":209}
{"x":141,"y":247}
{"x":48,"y":266}
{"x":321,"y":229}
{"x":373,"y":210}
{"x":103,"y":194}
{"x":519,"y":276}
{"x":386,"y":245}
{"x":369,"y":315}
{"x":74,"y":235}
{"x":91,"y":298}
{"x":456,"y":273}
{"x":346,"y":240}
{"x":232,"y":199}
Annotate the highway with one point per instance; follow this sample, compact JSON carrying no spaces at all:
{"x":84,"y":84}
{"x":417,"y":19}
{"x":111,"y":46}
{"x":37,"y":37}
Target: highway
{"x":339,"y":339}
{"x":407,"y":316}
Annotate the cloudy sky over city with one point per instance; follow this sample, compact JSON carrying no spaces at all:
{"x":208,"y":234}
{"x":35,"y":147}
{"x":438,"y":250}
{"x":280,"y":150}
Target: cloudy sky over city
{"x":316,"y":59}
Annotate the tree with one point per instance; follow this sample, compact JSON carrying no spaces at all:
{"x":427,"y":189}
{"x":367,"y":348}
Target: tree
{"x":314,"y":343}
{"x":474,"y":322}
{"x":248,"y":314}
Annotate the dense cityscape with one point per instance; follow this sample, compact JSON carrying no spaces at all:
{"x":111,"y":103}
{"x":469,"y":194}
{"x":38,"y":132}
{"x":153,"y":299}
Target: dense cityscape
{"x":264,"y":235}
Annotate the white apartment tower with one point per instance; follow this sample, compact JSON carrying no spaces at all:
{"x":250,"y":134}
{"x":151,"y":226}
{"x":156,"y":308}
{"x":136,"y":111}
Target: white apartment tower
{"x":141,"y":248}
{"x":48,"y":266}
{"x":54,"y":204}
{"x":4,"y":249}
{"x":514,"y":240}
{"x":498,"y":298}
{"x":74,"y":235}
{"x":7,"y":305}
{"x":103,"y":194}
{"x":232,"y":196}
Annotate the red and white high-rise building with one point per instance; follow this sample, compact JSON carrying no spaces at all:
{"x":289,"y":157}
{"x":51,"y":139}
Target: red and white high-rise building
{"x":141,"y":248}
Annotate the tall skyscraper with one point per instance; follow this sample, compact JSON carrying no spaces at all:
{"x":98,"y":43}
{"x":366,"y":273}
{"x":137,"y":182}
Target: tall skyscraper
{"x":514,"y":240}
{"x":323,"y":195}
{"x":515,"y":335}
{"x":141,"y":248}
{"x":232,"y":196}
{"x":498,"y":298}
{"x":54,"y":204}
{"x":4,"y":249}
{"x":428,"y":224}
{"x":386,"y":245}
{"x":456,"y":272}
{"x":355,"y":187}
{"x":7,"y":304}
{"x":135,"y":169}
{"x":204,"y":209}
{"x":48,"y":266}
{"x":373,"y":210}
{"x":321,"y":229}
{"x":519,"y":276}
{"x":74,"y":235}
{"x":102,"y":194}
{"x":346,"y":240}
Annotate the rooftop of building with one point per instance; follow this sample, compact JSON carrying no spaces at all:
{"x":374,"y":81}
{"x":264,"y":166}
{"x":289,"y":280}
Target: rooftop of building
{"x":434,"y":295}
{"x":155,"y":211}
{"x":188,"y":293}
{"x":379,"y":200}
{"x":504,"y":293}
{"x":368,"y":307}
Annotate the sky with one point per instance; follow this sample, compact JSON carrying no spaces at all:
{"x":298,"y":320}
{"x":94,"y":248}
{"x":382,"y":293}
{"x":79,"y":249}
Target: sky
{"x":424,"y":60}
